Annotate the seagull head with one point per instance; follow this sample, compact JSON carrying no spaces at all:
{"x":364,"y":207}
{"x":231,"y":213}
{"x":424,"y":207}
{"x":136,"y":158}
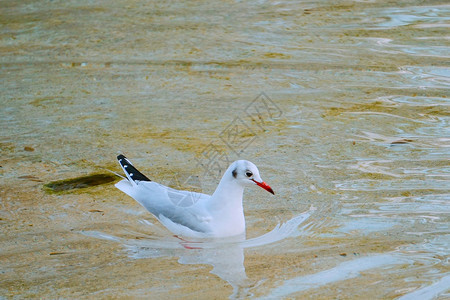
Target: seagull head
{"x":246,"y":173}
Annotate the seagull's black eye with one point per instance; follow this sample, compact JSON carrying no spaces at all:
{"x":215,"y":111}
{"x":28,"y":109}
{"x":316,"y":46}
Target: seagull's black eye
{"x":249,"y":174}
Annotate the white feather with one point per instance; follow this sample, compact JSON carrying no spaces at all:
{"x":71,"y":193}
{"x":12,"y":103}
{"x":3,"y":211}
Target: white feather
{"x":195,"y":214}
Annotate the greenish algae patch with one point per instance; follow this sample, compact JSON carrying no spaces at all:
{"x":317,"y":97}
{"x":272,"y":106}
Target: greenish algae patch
{"x":78,"y":183}
{"x":416,"y":112}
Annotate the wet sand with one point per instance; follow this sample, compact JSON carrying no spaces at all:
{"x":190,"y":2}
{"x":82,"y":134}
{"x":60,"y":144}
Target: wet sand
{"x":357,"y":127}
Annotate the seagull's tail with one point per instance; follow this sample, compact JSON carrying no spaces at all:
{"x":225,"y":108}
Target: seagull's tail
{"x":131,"y":172}
{"x":126,"y":187}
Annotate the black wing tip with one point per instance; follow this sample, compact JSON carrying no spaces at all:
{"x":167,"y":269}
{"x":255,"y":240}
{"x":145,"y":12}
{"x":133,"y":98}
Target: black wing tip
{"x":131,"y":171}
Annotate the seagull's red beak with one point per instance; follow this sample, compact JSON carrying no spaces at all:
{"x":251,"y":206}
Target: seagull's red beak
{"x":264,"y":186}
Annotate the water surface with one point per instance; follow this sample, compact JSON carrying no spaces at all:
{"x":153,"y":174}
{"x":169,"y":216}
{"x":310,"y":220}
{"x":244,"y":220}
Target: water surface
{"x":355,"y":135}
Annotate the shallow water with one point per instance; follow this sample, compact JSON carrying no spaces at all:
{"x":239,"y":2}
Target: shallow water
{"x":343,"y":107}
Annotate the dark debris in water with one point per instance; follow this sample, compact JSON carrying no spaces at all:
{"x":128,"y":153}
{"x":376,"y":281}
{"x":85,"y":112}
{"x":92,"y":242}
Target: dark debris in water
{"x":402,"y":141}
{"x":30,"y":177}
{"x":57,"y":253}
{"x":79,"y":182}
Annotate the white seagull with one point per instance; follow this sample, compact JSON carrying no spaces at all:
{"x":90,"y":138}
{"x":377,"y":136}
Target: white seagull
{"x":218,"y":215}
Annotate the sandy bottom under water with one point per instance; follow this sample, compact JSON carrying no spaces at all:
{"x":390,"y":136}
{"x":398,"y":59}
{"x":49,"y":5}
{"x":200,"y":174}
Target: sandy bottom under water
{"x":343,"y":107}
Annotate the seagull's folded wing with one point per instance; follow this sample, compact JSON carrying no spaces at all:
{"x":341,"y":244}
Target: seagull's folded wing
{"x":180,"y":211}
